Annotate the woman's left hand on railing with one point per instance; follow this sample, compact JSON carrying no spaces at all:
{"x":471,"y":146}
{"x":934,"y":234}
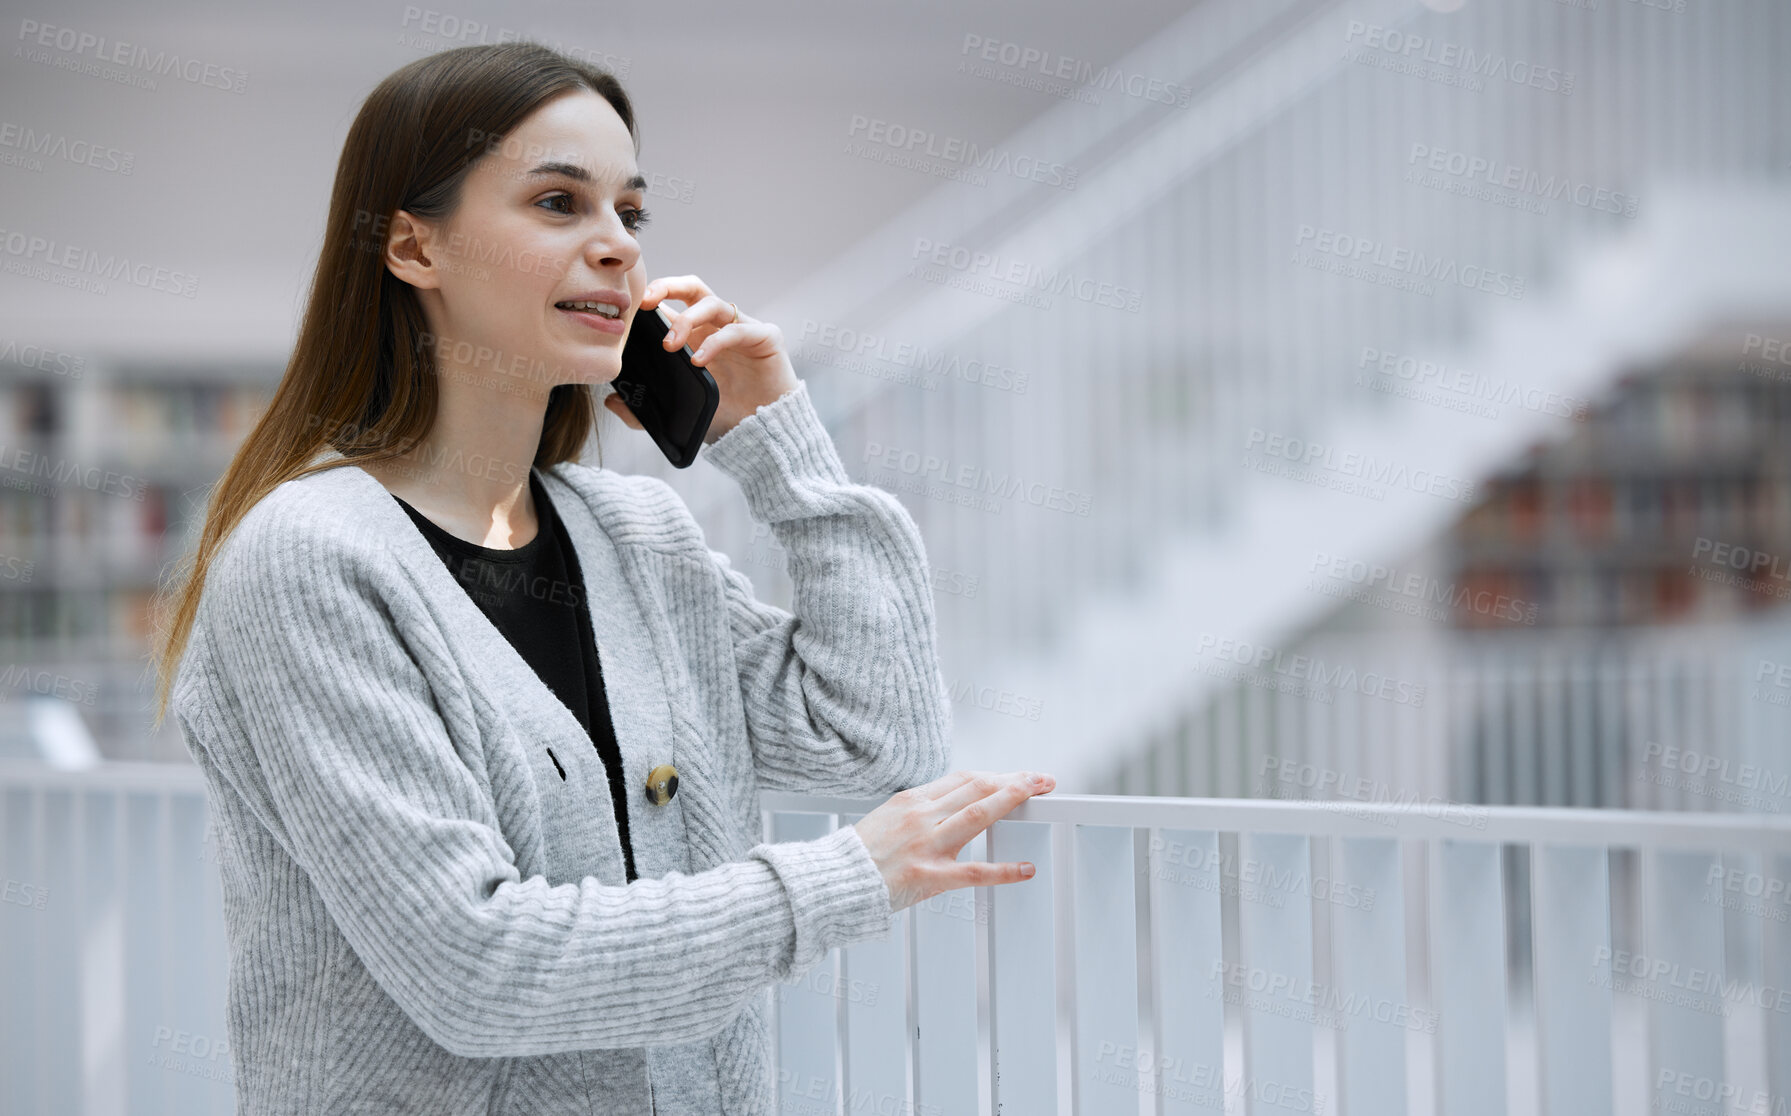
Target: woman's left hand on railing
{"x":916,"y":836}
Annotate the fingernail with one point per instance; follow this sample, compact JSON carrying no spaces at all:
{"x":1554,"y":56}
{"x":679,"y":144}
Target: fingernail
{"x":1027,"y":869}
{"x":1037,"y":780}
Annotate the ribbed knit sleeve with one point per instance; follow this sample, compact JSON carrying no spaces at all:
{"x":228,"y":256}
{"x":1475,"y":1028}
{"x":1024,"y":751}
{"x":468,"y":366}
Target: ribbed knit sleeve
{"x":321,"y":644}
{"x":845,"y":695}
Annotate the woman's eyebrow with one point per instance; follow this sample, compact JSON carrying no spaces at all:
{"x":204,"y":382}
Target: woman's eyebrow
{"x":580,"y":174}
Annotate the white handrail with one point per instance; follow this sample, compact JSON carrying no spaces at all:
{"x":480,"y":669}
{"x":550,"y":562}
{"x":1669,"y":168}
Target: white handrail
{"x":1638,"y":829}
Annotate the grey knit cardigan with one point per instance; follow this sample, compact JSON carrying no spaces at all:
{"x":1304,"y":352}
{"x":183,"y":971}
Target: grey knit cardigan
{"x":424,"y":915}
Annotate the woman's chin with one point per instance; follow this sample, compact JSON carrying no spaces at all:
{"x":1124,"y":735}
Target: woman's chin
{"x":589,"y":364}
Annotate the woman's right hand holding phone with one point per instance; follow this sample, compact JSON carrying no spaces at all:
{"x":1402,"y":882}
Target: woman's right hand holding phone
{"x":916,"y":836}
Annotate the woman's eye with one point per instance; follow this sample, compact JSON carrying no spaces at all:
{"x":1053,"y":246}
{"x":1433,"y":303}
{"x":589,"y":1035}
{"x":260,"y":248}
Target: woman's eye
{"x":634,"y":220}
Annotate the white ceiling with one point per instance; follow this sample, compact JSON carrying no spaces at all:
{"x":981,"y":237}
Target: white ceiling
{"x":751,"y":103}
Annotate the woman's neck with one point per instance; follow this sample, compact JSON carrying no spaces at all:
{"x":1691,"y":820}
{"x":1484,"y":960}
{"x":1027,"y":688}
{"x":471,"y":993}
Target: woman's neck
{"x":511,"y":522}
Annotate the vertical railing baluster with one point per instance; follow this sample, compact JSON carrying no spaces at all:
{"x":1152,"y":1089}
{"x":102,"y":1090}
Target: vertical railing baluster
{"x":807,"y":1077}
{"x":1468,"y":980}
{"x":1254,"y":741}
{"x":1347,"y":762}
{"x":1552,"y":740}
{"x":1106,"y":971}
{"x":1226,"y":742}
{"x":874,"y":986}
{"x":1497,"y":746}
{"x":1682,"y":897}
{"x":1188,"y":951}
{"x":145,"y":1082}
{"x":1367,"y":898}
{"x":1023,"y":975}
{"x":198,"y":1091}
{"x":1584,"y":791}
{"x":1572,"y":929}
{"x":101,"y":988}
{"x":1274,"y":981}
{"x":1616,"y":782}
{"x":60,"y":1017}
{"x":21,"y":929}
{"x":945,"y":1045}
{"x":1199,"y":753}
{"x":121,"y":905}
{"x":215,"y":972}
{"x":1775,"y":968}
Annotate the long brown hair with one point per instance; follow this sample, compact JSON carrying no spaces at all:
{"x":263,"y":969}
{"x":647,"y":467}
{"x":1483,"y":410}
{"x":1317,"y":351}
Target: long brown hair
{"x":362,"y":377}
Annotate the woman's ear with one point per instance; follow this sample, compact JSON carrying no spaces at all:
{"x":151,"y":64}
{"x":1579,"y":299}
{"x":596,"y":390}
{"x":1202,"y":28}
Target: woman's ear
{"x":407,"y":251}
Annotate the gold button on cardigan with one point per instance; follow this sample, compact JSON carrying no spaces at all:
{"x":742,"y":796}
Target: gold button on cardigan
{"x":662,"y":783}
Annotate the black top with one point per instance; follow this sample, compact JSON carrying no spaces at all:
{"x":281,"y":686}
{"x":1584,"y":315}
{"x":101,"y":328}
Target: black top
{"x":535,"y":595}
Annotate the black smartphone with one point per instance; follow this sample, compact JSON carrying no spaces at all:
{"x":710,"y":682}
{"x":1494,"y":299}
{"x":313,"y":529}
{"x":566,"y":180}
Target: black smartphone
{"x":674,"y":399}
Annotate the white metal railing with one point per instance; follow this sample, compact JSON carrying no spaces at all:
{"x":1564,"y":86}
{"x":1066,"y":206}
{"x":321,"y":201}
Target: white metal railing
{"x":1172,"y":956}
{"x":1179,"y":955}
{"x":113,"y":959}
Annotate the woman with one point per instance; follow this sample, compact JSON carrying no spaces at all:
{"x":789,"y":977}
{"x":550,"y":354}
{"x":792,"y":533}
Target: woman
{"x":494,"y":846}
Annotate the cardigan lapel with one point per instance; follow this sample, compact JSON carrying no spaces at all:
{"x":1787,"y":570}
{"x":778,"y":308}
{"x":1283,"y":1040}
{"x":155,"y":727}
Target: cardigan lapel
{"x":636,"y":691}
{"x":633,"y":679}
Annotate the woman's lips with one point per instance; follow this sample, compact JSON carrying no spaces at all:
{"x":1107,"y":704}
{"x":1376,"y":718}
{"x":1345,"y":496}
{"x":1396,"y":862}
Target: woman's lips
{"x":597,"y":321}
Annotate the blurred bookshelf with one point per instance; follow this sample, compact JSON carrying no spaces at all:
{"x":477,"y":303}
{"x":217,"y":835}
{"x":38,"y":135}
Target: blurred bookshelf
{"x":1669,"y":503}
{"x":105,"y":470}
